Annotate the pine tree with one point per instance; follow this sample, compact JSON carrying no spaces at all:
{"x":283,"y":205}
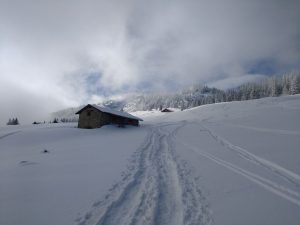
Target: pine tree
{"x":295,"y":85}
{"x":274,"y":87}
{"x":9,"y":122}
{"x":285,"y":84}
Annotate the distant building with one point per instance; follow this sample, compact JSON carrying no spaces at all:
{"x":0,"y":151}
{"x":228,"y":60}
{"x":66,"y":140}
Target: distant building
{"x":167,"y":110}
{"x":94,"y":116}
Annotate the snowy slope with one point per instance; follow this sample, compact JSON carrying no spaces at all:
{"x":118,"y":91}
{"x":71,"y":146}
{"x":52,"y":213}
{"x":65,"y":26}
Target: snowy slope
{"x":52,"y":188}
{"x":228,"y":163}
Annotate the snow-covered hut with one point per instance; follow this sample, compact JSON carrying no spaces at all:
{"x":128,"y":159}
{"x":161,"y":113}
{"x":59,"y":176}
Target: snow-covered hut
{"x":94,"y":116}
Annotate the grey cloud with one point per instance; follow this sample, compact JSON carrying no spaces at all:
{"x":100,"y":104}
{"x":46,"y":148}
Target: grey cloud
{"x":49,"y":50}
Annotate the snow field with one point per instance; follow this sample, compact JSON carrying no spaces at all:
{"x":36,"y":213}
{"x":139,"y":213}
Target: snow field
{"x":227,"y":163}
{"x":59,"y":186}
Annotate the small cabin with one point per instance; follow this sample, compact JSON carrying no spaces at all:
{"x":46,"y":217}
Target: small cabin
{"x":166,"y":110}
{"x":94,"y":116}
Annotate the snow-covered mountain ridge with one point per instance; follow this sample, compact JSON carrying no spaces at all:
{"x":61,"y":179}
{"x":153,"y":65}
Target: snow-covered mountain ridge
{"x":197,"y":95}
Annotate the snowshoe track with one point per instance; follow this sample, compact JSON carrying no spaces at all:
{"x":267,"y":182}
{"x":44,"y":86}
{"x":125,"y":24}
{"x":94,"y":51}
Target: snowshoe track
{"x":156,"y":189}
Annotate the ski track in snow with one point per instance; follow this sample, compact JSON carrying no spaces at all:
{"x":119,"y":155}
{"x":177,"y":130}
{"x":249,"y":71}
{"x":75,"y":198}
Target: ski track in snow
{"x":274,"y":131}
{"x":156,"y":189}
{"x":269,"y":185}
{"x":283,"y":191}
{"x":8,"y":134}
{"x":273,"y":167}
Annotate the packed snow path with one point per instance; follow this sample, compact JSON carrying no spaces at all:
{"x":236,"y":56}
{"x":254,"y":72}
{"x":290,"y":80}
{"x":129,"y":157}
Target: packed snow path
{"x":156,"y":189}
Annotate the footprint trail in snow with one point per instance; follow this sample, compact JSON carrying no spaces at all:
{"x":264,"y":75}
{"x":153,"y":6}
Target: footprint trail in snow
{"x":156,"y":189}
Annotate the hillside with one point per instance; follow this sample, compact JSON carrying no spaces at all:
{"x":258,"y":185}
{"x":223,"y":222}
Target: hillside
{"x":196,"y":95}
{"x":225,"y":164}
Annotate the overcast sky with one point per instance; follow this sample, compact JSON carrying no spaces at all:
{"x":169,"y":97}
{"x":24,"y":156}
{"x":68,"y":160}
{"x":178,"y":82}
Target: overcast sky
{"x":61,"y":53}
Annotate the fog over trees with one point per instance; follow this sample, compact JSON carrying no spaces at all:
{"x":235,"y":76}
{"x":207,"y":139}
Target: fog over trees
{"x":288,"y":84}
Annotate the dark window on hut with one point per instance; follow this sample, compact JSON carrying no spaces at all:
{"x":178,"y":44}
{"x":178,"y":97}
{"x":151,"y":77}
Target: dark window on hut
{"x":88,"y":113}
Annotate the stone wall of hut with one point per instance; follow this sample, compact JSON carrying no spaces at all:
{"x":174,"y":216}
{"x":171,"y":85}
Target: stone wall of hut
{"x":92,"y":118}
